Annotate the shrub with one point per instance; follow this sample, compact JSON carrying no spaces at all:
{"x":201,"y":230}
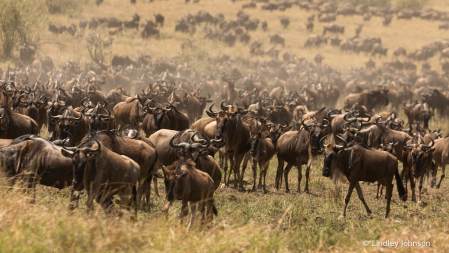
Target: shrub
{"x":18,"y":22}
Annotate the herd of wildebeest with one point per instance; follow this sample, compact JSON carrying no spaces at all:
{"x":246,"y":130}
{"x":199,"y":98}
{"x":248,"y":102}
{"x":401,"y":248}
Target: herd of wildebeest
{"x":105,"y":141}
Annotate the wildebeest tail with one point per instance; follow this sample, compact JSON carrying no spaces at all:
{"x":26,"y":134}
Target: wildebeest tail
{"x":401,"y":189}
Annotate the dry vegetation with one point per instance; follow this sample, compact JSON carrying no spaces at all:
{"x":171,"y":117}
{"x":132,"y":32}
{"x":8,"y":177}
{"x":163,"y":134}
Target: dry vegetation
{"x":250,"y":221}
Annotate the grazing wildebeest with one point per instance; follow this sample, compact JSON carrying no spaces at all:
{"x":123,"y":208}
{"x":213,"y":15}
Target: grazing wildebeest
{"x":359,"y":163}
{"x":298,"y":148}
{"x":159,"y":19}
{"x":104,"y":174}
{"x":186,"y":183}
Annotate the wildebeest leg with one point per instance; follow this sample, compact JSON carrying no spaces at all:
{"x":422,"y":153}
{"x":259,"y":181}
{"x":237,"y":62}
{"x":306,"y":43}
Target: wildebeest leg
{"x":184,"y":210}
{"x":443,"y":168}
{"x":309,"y":165}
{"x":412,"y":186}
{"x":421,"y":179}
{"x":359,"y":192}
{"x":237,"y":176}
{"x":300,"y":177}
{"x":193,"y":211}
{"x":434,"y":175}
{"x":378,"y":188}
{"x":254,"y":167}
{"x":264,"y":172}
{"x":348,"y":197}
{"x":279,"y":172}
{"x":166,"y":207}
{"x":74,"y":199}
{"x":388,"y":193}
{"x":246,"y":158}
{"x":286,"y":171}
{"x":231,"y":166}
{"x":156,"y":191}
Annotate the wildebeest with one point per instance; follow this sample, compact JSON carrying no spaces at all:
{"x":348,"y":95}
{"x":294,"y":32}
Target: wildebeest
{"x":298,"y":148}
{"x":358,"y":163}
{"x":370,"y":99}
{"x":186,"y":183}
{"x":159,"y":19}
{"x":104,"y":174}
{"x":128,"y":112}
{"x":277,"y":39}
{"x":13,"y":125}
{"x":263,"y":148}
{"x":417,"y":159}
{"x":235,"y":133}
{"x":333,"y":28}
{"x":441,"y":158}
{"x":36,"y":160}
{"x":164,"y":118}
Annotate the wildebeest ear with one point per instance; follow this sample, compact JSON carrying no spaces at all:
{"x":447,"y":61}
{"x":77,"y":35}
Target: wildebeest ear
{"x":183,"y":175}
{"x":67,"y":154}
{"x":430,"y":151}
{"x":157,"y":175}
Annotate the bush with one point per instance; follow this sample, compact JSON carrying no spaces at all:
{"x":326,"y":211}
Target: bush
{"x":410,"y":4}
{"x":18,"y":22}
{"x":64,"y":6}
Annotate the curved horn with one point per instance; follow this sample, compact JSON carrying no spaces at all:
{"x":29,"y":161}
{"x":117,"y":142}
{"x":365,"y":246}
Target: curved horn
{"x":286,"y":124}
{"x":175,"y":145}
{"x":27,"y":89}
{"x":91,"y":150}
{"x":73,"y":118}
{"x":345,"y":144}
{"x":404,"y":142}
{"x":199,"y":145}
{"x":72,"y":149}
{"x":223,"y":108}
{"x":428,"y":146}
{"x":211,"y":110}
{"x":326,"y":125}
{"x":322,"y":140}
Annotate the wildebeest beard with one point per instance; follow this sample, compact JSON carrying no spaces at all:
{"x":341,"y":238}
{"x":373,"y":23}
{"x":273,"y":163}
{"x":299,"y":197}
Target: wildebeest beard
{"x":254,"y":144}
{"x":315,"y":138}
{"x":158,"y":120}
{"x":33,"y":112}
{"x":417,"y":164}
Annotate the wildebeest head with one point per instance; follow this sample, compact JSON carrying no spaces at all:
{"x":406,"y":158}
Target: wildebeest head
{"x":276,"y":130}
{"x":67,"y":122}
{"x":419,"y":153}
{"x":316,"y":131}
{"x":175,"y":175}
{"x":228,"y":113}
{"x":80,"y":158}
{"x":388,"y":146}
{"x":159,"y":114}
{"x":191,"y":150}
{"x":99,"y":119}
{"x":330,"y":153}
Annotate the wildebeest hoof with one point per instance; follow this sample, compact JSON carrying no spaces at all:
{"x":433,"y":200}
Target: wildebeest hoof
{"x":369,"y":212}
{"x":287,"y":191}
{"x":341,"y":217}
{"x":438,"y":186}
